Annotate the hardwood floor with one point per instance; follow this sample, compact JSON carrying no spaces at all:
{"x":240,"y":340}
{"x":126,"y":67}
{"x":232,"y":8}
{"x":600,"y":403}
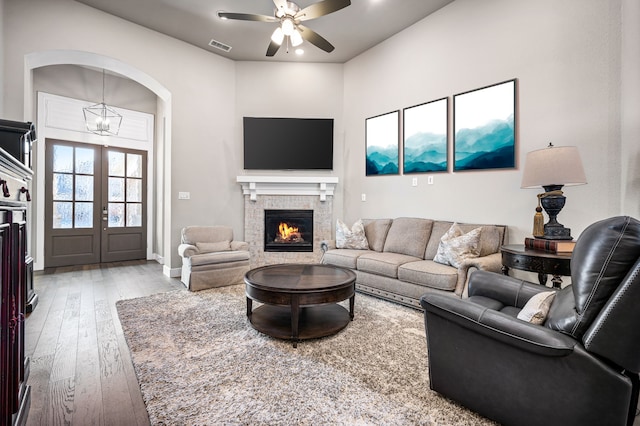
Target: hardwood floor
{"x":81,"y":371}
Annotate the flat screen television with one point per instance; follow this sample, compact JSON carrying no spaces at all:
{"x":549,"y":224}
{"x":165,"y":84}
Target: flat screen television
{"x":288,"y":143}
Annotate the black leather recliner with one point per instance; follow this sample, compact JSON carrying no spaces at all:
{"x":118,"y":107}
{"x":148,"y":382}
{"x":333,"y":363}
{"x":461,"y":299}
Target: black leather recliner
{"x":580,"y":367}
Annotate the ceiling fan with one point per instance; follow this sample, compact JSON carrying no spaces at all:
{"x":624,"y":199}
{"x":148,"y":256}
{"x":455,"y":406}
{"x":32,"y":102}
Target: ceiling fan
{"x":290,"y":16}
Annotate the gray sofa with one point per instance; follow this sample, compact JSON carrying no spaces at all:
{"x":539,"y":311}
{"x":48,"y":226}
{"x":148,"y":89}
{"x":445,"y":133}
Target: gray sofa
{"x":399,"y":265}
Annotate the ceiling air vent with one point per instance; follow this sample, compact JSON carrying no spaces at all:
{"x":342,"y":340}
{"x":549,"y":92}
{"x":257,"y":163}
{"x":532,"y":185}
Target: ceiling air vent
{"x":219,"y":45}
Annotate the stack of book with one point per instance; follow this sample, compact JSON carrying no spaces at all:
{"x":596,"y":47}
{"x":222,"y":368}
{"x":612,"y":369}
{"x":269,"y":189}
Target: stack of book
{"x":551,"y":246}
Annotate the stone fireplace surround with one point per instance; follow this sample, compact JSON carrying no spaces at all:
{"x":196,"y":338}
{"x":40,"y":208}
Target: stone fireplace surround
{"x":286,"y":192}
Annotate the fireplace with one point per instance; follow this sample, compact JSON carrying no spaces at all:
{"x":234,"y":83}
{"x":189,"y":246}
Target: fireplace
{"x":288,"y":230}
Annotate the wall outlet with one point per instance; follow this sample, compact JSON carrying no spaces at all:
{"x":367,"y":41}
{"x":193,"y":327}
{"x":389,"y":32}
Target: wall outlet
{"x":364,"y":197}
{"x":184,"y":195}
{"x":414,"y":181}
{"x":430,"y":180}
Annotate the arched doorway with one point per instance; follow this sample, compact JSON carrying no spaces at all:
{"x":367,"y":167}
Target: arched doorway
{"x":162,"y":162}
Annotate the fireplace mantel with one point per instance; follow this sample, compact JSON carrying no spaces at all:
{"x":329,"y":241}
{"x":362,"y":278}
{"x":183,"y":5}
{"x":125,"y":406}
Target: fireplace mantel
{"x":321,"y":186}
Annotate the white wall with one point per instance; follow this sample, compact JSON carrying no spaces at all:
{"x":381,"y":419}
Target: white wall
{"x":279,"y":89}
{"x":203,"y":99}
{"x":77,"y":82}
{"x":566,"y":57}
{"x":631,"y":108}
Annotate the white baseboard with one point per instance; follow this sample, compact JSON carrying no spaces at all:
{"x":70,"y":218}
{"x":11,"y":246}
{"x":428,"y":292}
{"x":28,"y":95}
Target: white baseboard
{"x":171,"y":272}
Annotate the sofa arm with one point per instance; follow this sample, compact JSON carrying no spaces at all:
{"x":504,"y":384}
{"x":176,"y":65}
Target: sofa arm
{"x":491,"y":263}
{"x":326,"y":245}
{"x":187,"y":250}
{"x":507,"y":290}
{"x":498,"y":326}
{"x":239,"y":246}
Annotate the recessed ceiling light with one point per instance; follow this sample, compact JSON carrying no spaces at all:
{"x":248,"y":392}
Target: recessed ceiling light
{"x":299,"y":51}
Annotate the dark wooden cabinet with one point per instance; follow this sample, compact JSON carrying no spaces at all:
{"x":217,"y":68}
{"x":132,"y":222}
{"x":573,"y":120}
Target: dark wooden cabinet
{"x":16,"y":274}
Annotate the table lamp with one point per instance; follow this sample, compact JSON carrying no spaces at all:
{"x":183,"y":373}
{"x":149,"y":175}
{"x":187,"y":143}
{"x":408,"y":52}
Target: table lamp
{"x":552,"y":168}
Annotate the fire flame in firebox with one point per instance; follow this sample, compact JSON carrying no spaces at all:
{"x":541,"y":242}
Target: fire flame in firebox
{"x":288,"y":234}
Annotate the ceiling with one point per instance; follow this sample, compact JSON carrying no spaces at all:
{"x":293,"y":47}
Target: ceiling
{"x":351,"y":30}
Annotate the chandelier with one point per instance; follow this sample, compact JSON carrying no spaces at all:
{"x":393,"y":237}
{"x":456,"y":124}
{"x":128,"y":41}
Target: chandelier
{"x":102,"y":119}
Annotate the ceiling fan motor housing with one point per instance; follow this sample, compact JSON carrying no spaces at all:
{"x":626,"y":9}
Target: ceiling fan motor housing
{"x":290,"y":10}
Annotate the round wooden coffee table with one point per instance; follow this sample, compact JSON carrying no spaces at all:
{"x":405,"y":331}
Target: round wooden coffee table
{"x":299,"y":301}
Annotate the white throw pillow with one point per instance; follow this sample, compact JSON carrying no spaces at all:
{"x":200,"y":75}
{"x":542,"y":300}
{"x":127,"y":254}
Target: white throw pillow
{"x":466,"y":246}
{"x":536,"y":309}
{"x":454,"y":231}
{"x":353,"y":238}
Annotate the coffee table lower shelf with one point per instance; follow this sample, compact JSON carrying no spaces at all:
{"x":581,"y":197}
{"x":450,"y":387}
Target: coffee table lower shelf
{"x":313,"y":321}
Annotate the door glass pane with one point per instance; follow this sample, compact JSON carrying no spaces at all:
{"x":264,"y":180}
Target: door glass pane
{"x":134,"y":214}
{"x":116,"y":215}
{"x":134,"y":190}
{"x":116,"y":163}
{"x":84,"y":215}
{"x":62,"y":158}
{"x":116,"y":189}
{"x":62,"y":186}
{"x":134,"y":165}
{"x":84,"y":161}
{"x":62,"y":215}
{"x":84,"y":188}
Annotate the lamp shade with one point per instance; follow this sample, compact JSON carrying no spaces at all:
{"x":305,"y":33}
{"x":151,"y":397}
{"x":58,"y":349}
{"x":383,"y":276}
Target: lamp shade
{"x":559,"y":165}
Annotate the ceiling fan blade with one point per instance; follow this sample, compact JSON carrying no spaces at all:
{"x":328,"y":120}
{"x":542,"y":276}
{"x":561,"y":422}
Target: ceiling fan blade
{"x":315,"y":38}
{"x":280,"y":4}
{"x":248,"y":17}
{"x":322,"y":8}
{"x":273,"y":48}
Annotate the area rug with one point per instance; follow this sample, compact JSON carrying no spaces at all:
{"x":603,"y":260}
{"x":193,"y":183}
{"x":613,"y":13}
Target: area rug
{"x":199,"y":362}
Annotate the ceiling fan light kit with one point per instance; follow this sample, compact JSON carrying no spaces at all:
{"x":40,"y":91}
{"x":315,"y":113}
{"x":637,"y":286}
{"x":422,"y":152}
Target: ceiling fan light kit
{"x":289,"y":15}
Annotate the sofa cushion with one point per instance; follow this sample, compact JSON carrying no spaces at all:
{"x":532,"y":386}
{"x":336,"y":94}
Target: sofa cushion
{"x":376,"y":231}
{"x":206,"y":234}
{"x":345,"y":258}
{"x":439,"y":228}
{"x":214,"y":247}
{"x":219,"y":257}
{"x":353,"y":238}
{"x":490,"y":240}
{"x":408,"y":235}
{"x":430,"y":274}
{"x":383,"y":263}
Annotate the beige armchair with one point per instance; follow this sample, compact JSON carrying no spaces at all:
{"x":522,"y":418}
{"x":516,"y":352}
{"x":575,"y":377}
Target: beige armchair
{"x":210,"y":257}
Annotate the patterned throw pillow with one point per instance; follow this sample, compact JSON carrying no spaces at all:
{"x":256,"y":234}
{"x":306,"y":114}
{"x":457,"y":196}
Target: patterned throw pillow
{"x":353,"y":238}
{"x":214,"y":247}
{"x":536,"y":309}
{"x":454,"y":231}
{"x":466,"y":246}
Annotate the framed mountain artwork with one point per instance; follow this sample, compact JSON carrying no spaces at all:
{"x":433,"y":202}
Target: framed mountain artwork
{"x":382,"y":140}
{"x":425,"y":137}
{"x":484,"y":122}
